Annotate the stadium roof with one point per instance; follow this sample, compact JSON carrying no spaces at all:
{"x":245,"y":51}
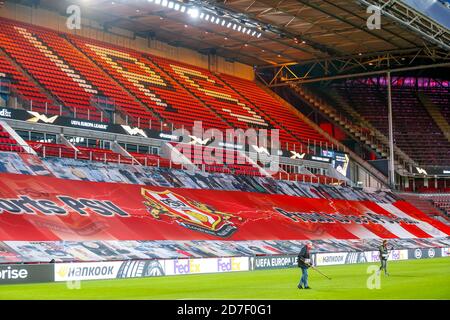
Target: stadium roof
{"x":292,"y":31}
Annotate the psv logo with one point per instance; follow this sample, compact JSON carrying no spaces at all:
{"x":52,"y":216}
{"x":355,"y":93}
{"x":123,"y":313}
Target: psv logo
{"x":189,"y":214}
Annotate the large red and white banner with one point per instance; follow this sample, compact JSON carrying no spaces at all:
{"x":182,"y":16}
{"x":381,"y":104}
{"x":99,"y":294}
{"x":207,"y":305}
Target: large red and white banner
{"x":36,"y":208}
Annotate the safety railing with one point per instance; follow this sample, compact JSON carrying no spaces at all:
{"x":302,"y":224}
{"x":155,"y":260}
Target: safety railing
{"x":59,"y":151}
{"x":309,"y":146}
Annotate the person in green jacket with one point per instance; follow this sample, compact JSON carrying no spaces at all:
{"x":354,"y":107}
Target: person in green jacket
{"x":383,"y":257}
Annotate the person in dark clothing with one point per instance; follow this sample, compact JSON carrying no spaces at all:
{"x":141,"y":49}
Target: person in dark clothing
{"x":383,"y":257}
{"x":304,"y":262}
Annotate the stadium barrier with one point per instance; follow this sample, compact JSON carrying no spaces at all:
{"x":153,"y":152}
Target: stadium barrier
{"x":60,"y":272}
{"x":341,"y":258}
{"x":162,"y":131}
{"x":273,"y":262}
{"x":425,"y":253}
{"x":26,"y":273}
{"x":324,"y":259}
{"x":149,"y":268}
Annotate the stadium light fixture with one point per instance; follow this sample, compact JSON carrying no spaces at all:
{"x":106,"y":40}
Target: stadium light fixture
{"x":194,"y":12}
{"x":209,"y":14}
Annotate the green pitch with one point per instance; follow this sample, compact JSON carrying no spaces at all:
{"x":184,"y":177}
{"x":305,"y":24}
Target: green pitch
{"x":411,"y":279}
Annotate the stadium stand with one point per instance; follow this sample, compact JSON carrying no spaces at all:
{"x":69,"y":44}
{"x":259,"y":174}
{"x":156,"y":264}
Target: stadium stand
{"x":83,"y":153}
{"x":120,"y":100}
{"x":7,"y":143}
{"x":209,"y":89}
{"x":110,"y":171}
{"x":442,"y":202}
{"x":154,"y":160}
{"x":222,"y":99}
{"x":277,"y":111}
{"x":149,"y":85}
{"x":25,"y":44}
{"x":102,"y":194}
{"x":434,"y":206}
{"x":441,"y":98}
{"x":409,"y":116}
{"x":170,"y":93}
{"x":69,"y":66}
{"x":23,"y":89}
{"x":214,"y":159}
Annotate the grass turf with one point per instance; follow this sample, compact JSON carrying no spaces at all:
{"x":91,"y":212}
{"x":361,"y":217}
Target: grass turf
{"x":410,"y":279}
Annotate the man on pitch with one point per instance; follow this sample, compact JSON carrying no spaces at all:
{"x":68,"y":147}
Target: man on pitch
{"x":304,"y":262}
{"x":383,"y":257}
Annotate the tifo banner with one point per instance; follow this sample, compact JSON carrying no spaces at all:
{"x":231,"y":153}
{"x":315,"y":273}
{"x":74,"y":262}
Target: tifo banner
{"x":37,"y":208}
{"x":22,"y":273}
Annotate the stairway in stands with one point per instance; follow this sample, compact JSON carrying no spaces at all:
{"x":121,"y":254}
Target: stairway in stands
{"x":7,"y":143}
{"x":353,"y":124}
{"x":409,"y":118}
{"x":436,"y":114}
{"x":30,"y":95}
{"x":273,"y":109}
{"x":434,"y":206}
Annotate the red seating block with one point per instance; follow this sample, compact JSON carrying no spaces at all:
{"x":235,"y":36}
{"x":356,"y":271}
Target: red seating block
{"x":7,"y":143}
